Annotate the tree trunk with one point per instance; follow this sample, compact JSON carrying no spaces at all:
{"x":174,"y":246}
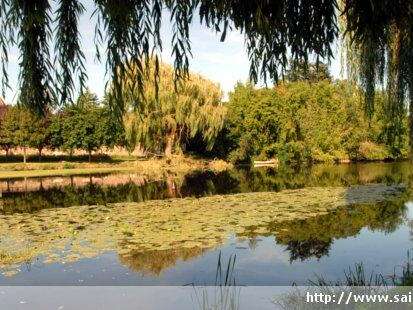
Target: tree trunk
{"x":172,"y":188}
{"x":40,"y":154}
{"x":24,"y":155}
{"x":170,"y":139}
{"x":90,"y":155}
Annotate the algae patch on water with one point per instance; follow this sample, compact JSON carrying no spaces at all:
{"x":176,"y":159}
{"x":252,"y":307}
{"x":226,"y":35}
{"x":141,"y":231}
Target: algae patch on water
{"x":182,"y":226}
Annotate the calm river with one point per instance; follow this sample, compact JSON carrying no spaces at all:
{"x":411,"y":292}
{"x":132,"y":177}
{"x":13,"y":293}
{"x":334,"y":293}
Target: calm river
{"x":377,"y":235}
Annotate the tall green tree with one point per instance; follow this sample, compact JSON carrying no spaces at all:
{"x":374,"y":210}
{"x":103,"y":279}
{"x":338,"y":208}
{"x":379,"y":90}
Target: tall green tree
{"x":168,"y":116}
{"x":300,"y":70}
{"x":86,"y":126}
{"x":22,"y":128}
{"x":269,"y":29}
{"x":377,"y":48}
{"x":5,"y":142}
{"x":40,"y":136}
{"x":307,"y":122}
{"x":56,"y":130}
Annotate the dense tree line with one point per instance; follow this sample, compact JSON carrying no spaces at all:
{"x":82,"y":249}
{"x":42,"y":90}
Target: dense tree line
{"x":86,"y":125}
{"x":308,"y":118}
{"x":160,"y":124}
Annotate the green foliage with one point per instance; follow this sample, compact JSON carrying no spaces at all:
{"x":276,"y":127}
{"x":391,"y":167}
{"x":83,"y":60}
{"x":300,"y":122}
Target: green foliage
{"x":6,"y":141}
{"x":131,"y":30}
{"x":378,"y":32}
{"x":378,"y":49}
{"x":372,"y":151}
{"x":303,"y":71}
{"x":86,"y":126}
{"x":378,"y":38}
{"x":173,"y":113}
{"x":22,"y":128}
{"x":56,"y":131}
{"x":307,"y":122}
{"x":40,"y":135}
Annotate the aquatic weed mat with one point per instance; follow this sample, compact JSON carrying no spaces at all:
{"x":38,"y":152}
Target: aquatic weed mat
{"x":176,"y":227}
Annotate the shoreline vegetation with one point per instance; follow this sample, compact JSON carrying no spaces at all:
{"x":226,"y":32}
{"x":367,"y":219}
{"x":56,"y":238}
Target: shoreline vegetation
{"x":149,"y":167}
{"x":307,"y":122}
{"x":130,"y":229}
{"x":11,"y":166}
{"x":301,"y":121}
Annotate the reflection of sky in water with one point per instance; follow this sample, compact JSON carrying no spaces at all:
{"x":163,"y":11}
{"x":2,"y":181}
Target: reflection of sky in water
{"x":267,"y":263}
{"x":409,"y":213}
{"x":263,"y":263}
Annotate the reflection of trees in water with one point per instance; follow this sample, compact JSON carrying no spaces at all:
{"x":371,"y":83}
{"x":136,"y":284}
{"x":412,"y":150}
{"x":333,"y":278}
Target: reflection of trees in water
{"x":90,"y":194}
{"x":253,"y":242}
{"x":410,"y":224}
{"x":270,"y":179}
{"x":304,"y":249}
{"x":313,"y":237}
{"x":203,"y":184}
{"x":303,"y":239}
{"x":154,"y":262}
{"x":149,"y":235}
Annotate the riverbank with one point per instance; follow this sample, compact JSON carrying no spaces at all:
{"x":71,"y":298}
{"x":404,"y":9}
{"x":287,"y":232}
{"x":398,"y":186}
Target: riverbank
{"x":151,"y":168}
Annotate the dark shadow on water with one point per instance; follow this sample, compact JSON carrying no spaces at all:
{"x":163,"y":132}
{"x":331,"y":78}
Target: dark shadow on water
{"x":32,"y":194}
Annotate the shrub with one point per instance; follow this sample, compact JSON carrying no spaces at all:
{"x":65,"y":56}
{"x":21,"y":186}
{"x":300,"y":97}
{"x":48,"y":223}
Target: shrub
{"x":372,"y":151}
{"x":299,"y":121}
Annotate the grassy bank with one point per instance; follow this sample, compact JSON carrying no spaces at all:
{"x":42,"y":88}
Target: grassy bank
{"x":153,"y":168}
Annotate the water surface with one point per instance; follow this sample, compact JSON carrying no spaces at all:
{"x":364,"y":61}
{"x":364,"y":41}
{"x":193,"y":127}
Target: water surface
{"x":281,"y":254}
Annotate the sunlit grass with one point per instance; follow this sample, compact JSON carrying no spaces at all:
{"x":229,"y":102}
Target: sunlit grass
{"x":146,"y":166}
{"x":60,"y":172}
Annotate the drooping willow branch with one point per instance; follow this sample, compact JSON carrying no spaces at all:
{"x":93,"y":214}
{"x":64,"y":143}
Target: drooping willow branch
{"x":130,"y":33}
{"x":379,"y":46}
{"x":32,"y":22}
{"x":5,"y":38}
{"x":69,"y":53}
{"x":274,"y":31}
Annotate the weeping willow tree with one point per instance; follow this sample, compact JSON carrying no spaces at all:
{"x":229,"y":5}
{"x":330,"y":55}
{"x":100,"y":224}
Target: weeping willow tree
{"x":380,"y":31}
{"x":378,"y":50}
{"x":171,"y":113}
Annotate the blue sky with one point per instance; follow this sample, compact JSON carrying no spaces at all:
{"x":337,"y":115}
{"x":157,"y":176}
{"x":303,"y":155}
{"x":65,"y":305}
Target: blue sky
{"x":223,"y":62}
